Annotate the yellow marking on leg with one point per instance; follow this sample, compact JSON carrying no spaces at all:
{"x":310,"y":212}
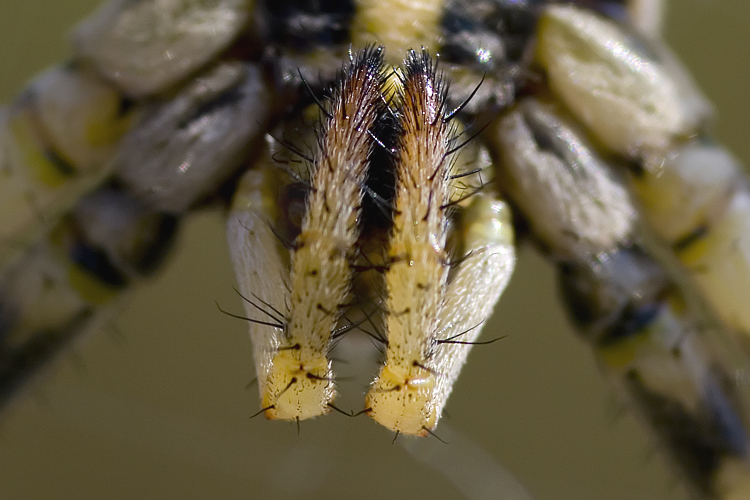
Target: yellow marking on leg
{"x":38,"y":164}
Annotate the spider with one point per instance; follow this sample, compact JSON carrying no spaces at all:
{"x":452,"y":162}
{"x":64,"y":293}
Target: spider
{"x":153,"y":395}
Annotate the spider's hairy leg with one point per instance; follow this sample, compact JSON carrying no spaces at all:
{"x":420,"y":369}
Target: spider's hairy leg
{"x":421,"y":306}
{"x":643,"y":107}
{"x":68,"y":283}
{"x":61,"y":136}
{"x":400,"y":397}
{"x":647,"y":340}
{"x":294,"y":371}
{"x":56,"y":143}
{"x":697,"y":200}
{"x":67,"y":133}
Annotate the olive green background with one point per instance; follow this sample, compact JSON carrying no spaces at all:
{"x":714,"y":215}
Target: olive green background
{"x":160,"y":410}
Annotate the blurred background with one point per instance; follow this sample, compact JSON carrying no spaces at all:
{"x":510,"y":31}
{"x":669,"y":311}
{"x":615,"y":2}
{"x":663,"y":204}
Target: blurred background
{"x":160,"y":410}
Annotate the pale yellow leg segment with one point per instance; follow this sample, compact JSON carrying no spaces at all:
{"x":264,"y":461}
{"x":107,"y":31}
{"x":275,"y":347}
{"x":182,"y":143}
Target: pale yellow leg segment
{"x":649,"y":341}
{"x":697,"y":200}
{"x":488,"y":244}
{"x":261,"y":263}
{"x":146,"y":46}
{"x":646,"y":109}
{"x":630,"y":101}
{"x":56,"y":143}
{"x":719,"y":262}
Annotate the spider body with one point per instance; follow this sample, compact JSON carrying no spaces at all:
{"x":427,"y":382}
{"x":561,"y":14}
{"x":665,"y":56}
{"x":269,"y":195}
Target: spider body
{"x":480,"y":100}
